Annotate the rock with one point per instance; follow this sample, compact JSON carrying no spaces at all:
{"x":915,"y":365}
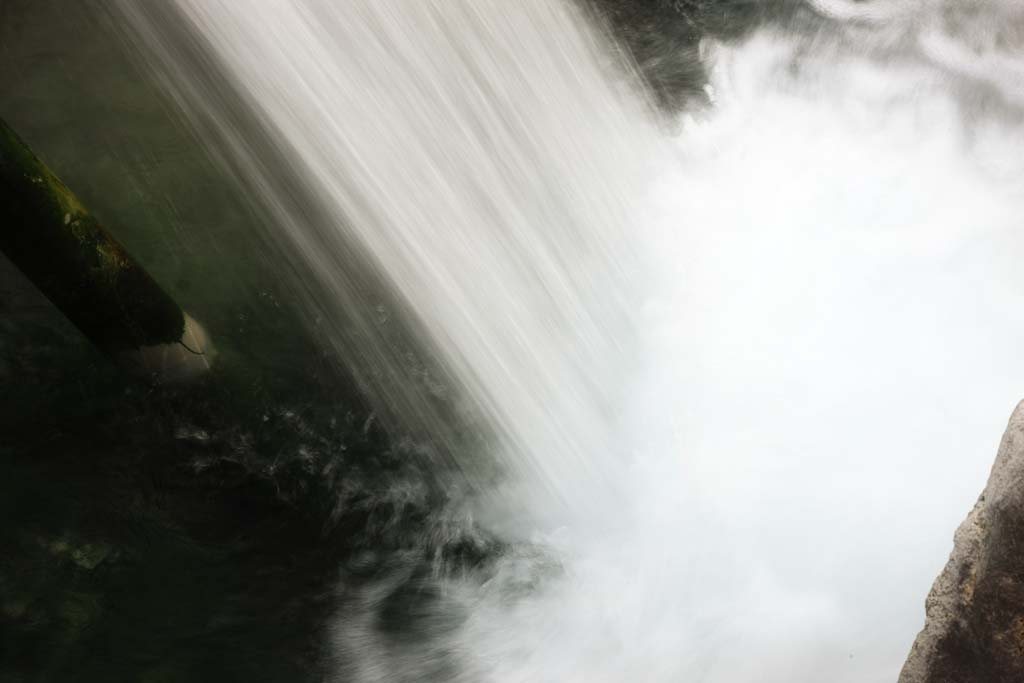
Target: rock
{"x":974,"y":630}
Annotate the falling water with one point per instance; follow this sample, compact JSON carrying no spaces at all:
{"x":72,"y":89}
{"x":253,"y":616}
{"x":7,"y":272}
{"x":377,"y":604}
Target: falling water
{"x":480,"y":157}
{"x":734,"y":374}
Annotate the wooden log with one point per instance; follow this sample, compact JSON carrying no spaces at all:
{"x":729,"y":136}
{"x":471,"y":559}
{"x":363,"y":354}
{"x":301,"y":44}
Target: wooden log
{"x":47,"y":233}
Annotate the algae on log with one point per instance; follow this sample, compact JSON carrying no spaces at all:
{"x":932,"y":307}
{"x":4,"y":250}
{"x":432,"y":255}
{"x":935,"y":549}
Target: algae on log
{"x":974,"y":631}
{"x":47,"y":233}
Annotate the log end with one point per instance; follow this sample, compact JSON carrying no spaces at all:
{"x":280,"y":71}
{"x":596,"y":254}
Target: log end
{"x":181,"y":361}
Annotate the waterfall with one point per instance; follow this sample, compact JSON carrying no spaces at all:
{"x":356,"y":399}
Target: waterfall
{"x":731,"y":374}
{"x":480,"y":158}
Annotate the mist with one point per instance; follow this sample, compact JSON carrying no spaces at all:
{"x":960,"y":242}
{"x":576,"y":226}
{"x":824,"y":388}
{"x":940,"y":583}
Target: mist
{"x":831,"y":354}
{"x":832,"y":349}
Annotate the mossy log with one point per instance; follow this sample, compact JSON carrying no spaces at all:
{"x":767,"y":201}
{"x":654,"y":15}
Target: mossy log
{"x":47,"y":233}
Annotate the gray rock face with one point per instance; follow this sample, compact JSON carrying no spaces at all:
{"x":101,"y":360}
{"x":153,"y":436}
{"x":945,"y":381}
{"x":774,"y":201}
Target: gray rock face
{"x":974,"y":632}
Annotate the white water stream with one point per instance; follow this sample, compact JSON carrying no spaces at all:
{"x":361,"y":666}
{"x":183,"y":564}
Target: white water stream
{"x":748,"y":377}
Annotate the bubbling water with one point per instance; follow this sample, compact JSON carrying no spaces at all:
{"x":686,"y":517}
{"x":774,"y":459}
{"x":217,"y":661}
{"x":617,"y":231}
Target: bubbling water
{"x":746,"y":380}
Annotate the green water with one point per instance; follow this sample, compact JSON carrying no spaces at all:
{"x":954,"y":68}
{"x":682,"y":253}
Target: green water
{"x":150,"y":534}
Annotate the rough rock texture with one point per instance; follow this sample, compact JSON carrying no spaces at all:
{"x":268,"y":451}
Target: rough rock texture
{"x":974,"y":632}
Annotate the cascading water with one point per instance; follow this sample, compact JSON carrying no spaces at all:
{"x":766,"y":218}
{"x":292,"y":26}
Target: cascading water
{"x":729,"y":372}
{"x":481,"y":158}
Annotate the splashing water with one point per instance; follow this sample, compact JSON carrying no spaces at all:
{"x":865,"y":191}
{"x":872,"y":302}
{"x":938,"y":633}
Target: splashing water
{"x":761,"y":367}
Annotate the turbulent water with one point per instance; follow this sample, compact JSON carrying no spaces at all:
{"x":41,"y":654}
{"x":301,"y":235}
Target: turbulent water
{"x":741,"y":380}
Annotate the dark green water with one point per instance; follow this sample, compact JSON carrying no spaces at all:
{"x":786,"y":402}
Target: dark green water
{"x":197,"y":534}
